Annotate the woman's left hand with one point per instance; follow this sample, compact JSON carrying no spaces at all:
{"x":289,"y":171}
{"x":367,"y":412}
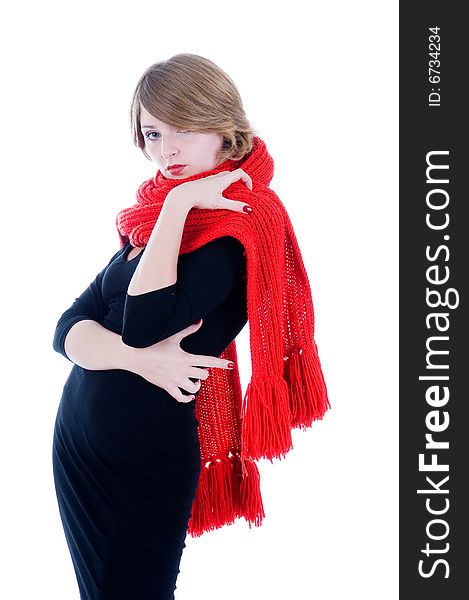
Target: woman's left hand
{"x":208,"y":191}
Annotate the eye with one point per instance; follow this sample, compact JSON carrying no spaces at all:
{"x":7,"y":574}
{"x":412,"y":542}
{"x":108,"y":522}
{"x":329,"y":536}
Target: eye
{"x":149,"y":134}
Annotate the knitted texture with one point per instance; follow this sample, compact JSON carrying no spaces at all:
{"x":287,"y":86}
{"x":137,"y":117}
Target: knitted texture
{"x":287,"y":388}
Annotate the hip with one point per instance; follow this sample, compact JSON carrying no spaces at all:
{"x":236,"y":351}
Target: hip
{"x":120,"y":408}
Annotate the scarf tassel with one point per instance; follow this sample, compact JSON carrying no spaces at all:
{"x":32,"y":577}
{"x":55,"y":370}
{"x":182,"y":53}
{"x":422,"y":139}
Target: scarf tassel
{"x":266,"y":429}
{"x":271,"y":409}
{"x":250,"y":493}
{"x":308,"y":393}
{"x":226,"y":490}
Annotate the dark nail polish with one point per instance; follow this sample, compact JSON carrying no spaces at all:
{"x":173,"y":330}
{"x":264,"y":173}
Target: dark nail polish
{"x":247,"y":209}
{"x":230,"y":365}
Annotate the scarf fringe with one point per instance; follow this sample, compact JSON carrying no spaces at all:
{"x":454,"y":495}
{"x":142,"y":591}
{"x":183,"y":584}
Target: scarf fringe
{"x":266,"y":431}
{"x":273,"y":408}
{"x":228,"y":488}
{"x":308,"y":392}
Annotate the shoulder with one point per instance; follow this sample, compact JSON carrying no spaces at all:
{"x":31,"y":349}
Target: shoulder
{"x":225,"y":246}
{"x":119,"y":253}
{"x":219,"y":253}
{"x":229,"y":242}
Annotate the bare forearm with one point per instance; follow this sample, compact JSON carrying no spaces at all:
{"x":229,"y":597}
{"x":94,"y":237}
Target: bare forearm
{"x":92,"y":346}
{"x":158,"y":265}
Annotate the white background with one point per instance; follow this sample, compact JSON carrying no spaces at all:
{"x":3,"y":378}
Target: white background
{"x":319,"y":82}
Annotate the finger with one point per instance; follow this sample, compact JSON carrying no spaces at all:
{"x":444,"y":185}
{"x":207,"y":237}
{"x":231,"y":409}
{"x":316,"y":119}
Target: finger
{"x":189,"y":387}
{"x":192,"y":386}
{"x":176,"y":394}
{"x":201,"y":360}
{"x":236,"y":175}
{"x":198,"y":373}
{"x":245,"y":178}
{"x":186,"y":385}
{"x":186,"y":331}
{"x":180,"y":397}
{"x":236,"y":205}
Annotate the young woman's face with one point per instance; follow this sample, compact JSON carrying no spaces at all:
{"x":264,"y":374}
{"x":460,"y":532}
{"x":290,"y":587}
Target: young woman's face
{"x":169,"y":146}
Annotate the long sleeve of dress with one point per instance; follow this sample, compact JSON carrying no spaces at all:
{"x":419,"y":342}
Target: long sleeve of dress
{"x":205,"y":278}
{"x":89,"y":305}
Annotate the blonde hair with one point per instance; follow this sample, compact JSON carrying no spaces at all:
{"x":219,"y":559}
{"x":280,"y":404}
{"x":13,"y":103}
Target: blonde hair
{"x":191,"y":92}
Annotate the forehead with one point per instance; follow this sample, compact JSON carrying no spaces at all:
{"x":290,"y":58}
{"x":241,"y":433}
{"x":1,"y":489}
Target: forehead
{"x":148,"y":120}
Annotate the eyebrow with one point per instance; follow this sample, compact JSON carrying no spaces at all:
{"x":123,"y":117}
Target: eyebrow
{"x":147,"y":127}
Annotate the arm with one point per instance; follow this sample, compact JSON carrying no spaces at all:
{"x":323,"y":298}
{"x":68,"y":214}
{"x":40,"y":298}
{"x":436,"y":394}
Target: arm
{"x":205,"y":278}
{"x":157,"y":267}
{"x":91,"y":346}
{"x":79,"y":335}
{"x":169,"y":292}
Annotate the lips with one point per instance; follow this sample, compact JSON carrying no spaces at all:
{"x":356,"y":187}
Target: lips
{"x":176,"y":169}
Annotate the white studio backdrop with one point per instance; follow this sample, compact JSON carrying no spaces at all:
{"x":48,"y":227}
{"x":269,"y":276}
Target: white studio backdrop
{"x":319,"y":82}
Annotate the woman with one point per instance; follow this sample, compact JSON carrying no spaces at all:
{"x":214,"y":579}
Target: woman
{"x":148,"y":443}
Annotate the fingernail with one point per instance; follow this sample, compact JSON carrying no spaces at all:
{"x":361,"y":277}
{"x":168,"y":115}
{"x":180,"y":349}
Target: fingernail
{"x":247,"y":209}
{"x":230,"y":365}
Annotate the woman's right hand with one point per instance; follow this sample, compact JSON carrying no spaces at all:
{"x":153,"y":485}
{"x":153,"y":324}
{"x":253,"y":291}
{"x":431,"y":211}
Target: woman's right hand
{"x":168,"y":366}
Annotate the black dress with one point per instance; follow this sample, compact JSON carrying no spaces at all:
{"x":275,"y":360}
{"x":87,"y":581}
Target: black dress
{"x":126,"y":454}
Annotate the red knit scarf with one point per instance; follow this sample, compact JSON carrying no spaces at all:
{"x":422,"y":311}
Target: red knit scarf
{"x":287,"y":388}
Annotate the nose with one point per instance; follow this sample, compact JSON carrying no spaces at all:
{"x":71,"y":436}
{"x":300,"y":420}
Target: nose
{"x":167,"y":149}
